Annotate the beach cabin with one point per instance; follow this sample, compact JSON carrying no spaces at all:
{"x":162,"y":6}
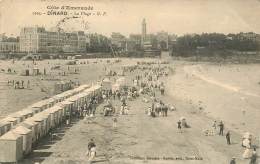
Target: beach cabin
{"x":18,"y":116}
{"x":79,"y":89}
{"x":60,"y":113}
{"x":46,"y":117}
{"x":106,"y":84}
{"x":36,"y":71}
{"x":98,"y":90}
{"x":26,"y":113}
{"x":11,"y":145}
{"x":81,"y":98}
{"x":4,"y":127}
{"x":60,"y":97}
{"x":13,"y":121}
{"x":66,"y":108}
{"x":84,"y":97}
{"x":116,"y":87}
{"x":75,"y":104}
{"x":51,"y":102}
{"x":39,"y":106}
{"x":27,"y":138}
{"x":41,"y":125}
{"x":54,"y":116}
{"x":60,"y":87}
{"x":33,"y":126}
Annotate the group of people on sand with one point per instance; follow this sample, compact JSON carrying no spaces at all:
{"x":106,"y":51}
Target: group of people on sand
{"x":249,"y":152}
{"x":158,"y":108}
{"x":19,"y":84}
{"x":88,"y":109}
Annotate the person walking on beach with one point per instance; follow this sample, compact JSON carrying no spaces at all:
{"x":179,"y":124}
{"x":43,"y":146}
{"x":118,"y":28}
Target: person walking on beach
{"x":28,"y":84}
{"x":228,"y":138}
{"x":179,"y":125}
{"x":215,"y":125}
{"x":254,"y":157}
{"x":114,"y":122}
{"x":221,"y":128}
{"x":91,"y":150}
{"x":22,"y":82}
{"x":233,"y":160}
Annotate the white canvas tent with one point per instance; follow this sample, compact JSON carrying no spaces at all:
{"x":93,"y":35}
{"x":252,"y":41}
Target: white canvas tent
{"x":5,"y":126}
{"x":33,"y":126}
{"x":18,"y":116}
{"x":27,"y":138}
{"x":13,"y":121}
{"x":106,"y":84}
{"x":11,"y":145}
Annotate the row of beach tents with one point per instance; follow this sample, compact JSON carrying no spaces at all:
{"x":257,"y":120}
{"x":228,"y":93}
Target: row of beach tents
{"x":20,"y":131}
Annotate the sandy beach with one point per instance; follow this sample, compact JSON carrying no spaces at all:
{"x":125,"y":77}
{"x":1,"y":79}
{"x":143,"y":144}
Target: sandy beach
{"x":201,"y":92}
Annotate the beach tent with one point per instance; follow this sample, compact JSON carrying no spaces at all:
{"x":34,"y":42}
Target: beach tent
{"x":121,"y":81}
{"x":5,"y":126}
{"x":106,"y":84}
{"x":33,"y":126}
{"x":58,"y":113}
{"x":80,"y":88}
{"x":47,"y":118}
{"x":47,"y":121}
{"x":54,"y":116}
{"x":51,"y":102}
{"x":39,"y":106}
{"x":90,"y":91}
{"x":27,"y":138}
{"x":66,"y":108}
{"x":13,"y":121}
{"x":95,"y":90}
{"x":81,"y":98}
{"x":115,"y":87}
{"x":26,"y":113}
{"x":75,"y":100}
{"x":18,"y":116}
{"x":36,"y":71}
{"x":60,"y":97}
{"x":85,"y":96}
{"x":41,"y":125}
{"x":11,"y":147}
{"x":62,"y":86}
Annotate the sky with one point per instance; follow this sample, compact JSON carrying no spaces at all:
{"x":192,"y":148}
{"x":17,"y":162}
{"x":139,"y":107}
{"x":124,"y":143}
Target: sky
{"x":124,"y":16}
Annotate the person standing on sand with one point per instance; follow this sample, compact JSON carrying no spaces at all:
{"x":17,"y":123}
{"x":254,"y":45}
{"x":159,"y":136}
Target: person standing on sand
{"x":233,"y":160}
{"x":215,"y":125}
{"x":179,"y":125}
{"x":28,"y":84}
{"x":228,"y":138}
{"x":254,"y":157}
{"x":22,"y":82}
{"x":114,"y":122}
{"x":91,"y":147}
{"x":221,"y":128}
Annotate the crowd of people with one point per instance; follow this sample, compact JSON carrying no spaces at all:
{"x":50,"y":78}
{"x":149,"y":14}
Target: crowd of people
{"x":19,"y":84}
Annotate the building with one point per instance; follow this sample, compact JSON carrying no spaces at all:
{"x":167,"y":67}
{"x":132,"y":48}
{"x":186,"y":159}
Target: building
{"x":143,"y":39}
{"x":163,"y":40}
{"x":9,"y":47}
{"x":9,"y":44}
{"x":137,"y":38}
{"x":38,"y":40}
{"x":118,"y":39}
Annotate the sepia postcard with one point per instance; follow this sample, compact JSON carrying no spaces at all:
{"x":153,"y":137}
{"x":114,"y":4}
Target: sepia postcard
{"x":129,"y":81}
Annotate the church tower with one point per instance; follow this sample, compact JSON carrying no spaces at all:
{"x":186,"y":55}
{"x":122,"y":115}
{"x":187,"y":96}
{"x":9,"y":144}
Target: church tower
{"x":143,"y":31}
